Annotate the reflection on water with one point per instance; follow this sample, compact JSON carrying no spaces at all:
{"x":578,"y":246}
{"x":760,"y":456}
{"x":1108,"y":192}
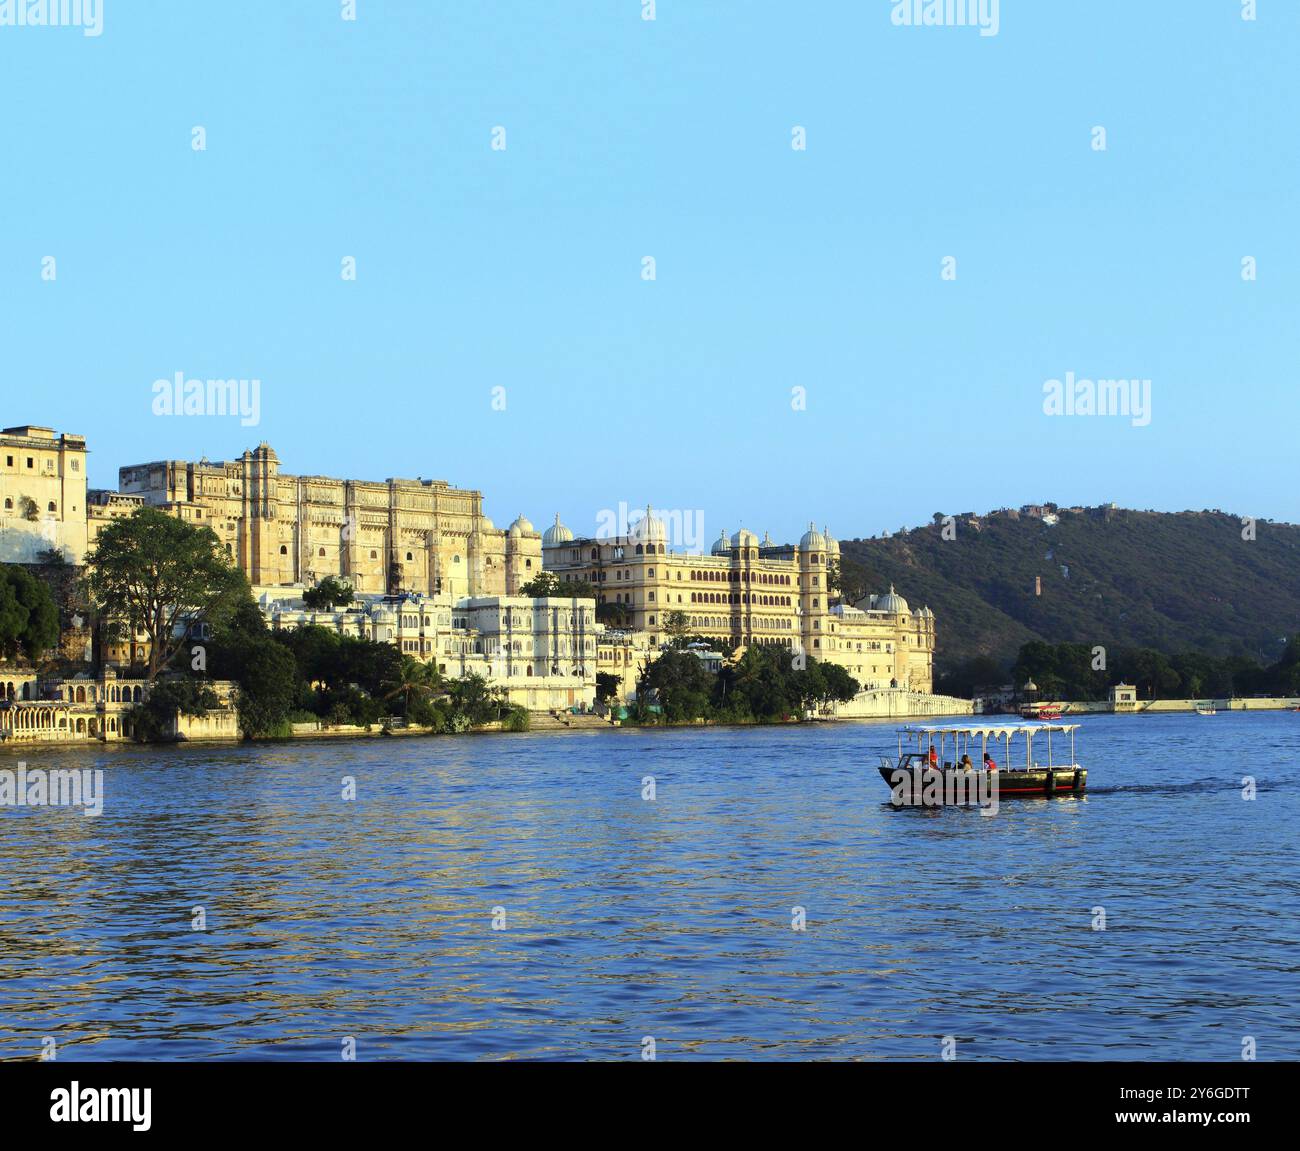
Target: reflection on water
{"x":625,"y":918}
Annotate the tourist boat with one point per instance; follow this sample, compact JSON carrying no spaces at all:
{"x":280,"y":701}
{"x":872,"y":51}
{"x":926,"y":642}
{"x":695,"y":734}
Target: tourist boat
{"x":1028,"y":765}
{"x":1205,"y":709}
{"x":1047,"y":711}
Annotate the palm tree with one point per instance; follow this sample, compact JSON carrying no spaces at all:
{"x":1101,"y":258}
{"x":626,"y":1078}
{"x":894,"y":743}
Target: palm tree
{"x":414,"y":680}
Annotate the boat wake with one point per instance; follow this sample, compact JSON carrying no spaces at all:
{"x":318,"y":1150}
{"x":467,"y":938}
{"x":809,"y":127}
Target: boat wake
{"x":1191,"y":787}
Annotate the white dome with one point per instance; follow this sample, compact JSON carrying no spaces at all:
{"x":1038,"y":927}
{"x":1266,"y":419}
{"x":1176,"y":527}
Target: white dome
{"x":813,"y":540}
{"x":832,"y":544}
{"x":649,"y":529}
{"x":521,"y":527}
{"x":893,"y":603}
{"x":486,"y":525}
{"x":557,"y":533}
{"x":721,"y":546}
{"x":744,"y":539}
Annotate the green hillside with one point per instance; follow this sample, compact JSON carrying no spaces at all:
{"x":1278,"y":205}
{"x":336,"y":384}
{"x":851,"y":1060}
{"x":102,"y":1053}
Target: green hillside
{"x":1170,"y":581}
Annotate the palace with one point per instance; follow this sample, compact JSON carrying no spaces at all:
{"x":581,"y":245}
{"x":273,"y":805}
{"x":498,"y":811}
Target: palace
{"x":434,"y":576}
{"x":747,"y":592}
{"x":397,"y":536}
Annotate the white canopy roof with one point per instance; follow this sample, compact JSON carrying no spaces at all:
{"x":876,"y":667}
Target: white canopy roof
{"x":998,"y":730}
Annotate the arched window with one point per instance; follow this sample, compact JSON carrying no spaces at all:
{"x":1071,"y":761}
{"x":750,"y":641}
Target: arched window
{"x":321,"y":552}
{"x":284,"y":551}
{"x":52,"y":506}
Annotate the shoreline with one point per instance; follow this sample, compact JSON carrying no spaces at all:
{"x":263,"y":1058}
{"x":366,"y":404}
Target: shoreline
{"x":560,"y":728}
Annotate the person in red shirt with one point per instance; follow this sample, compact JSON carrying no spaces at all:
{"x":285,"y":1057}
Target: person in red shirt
{"x":989,"y":765}
{"x":934,"y":757}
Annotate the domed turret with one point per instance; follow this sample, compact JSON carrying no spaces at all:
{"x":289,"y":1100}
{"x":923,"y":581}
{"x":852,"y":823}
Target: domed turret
{"x":520,"y":527}
{"x":832,"y":544}
{"x":893,"y":603}
{"x":649,"y":529}
{"x":744,"y":539}
{"x":557,"y":533}
{"x":813,"y":540}
{"x":486,"y":525}
{"x":721,"y":546}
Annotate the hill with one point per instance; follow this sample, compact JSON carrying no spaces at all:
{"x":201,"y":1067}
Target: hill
{"x":1184,"y":581}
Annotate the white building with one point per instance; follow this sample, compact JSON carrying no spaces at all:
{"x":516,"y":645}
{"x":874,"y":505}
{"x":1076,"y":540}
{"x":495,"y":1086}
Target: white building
{"x":542,"y":652}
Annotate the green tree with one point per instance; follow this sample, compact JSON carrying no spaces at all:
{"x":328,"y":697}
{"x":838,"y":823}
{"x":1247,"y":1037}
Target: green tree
{"x":606,"y":685}
{"x":414,"y":682}
{"x":267,"y":691}
{"x":243,"y":650}
{"x":680,"y":683}
{"x":849,"y":580}
{"x":29,"y":619}
{"x":676,"y":624}
{"x":549,"y":584}
{"x":185,"y":695}
{"x":475,"y":700}
{"x":154,"y":572}
{"x":840,"y":687}
{"x":328,"y":594}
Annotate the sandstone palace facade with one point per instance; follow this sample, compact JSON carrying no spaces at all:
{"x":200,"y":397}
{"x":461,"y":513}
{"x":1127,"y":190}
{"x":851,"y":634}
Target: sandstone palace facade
{"x":748,"y":591}
{"x":420,"y":536}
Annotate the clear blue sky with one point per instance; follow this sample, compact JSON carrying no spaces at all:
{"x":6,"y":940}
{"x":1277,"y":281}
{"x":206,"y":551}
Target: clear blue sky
{"x":775,"y":268}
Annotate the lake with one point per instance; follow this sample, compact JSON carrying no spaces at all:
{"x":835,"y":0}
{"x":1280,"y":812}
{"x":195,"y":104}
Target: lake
{"x":620,"y":918}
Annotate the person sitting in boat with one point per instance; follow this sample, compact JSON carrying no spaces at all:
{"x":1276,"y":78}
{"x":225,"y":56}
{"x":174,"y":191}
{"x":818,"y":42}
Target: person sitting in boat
{"x":989,"y":765}
{"x":966,"y":764}
{"x":934,"y":757}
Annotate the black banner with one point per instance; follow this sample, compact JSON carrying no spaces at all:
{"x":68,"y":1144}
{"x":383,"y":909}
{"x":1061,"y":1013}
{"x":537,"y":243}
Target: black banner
{"x":336,"y":1100}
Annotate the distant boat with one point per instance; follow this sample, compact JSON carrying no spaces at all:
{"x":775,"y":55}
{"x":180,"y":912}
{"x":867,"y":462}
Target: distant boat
{"x":1205,"y":709}
{"x":1045,"y":711}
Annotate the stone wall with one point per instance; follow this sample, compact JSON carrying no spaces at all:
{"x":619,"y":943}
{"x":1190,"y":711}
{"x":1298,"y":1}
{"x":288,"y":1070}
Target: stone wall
{"x":895,"y":703}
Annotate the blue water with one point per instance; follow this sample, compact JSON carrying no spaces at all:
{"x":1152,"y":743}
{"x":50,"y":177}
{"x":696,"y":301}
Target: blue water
{"x":627,"y":918}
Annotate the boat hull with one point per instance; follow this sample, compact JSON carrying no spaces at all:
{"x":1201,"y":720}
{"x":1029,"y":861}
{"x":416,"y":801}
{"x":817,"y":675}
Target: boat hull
{"x":1061,"y":781}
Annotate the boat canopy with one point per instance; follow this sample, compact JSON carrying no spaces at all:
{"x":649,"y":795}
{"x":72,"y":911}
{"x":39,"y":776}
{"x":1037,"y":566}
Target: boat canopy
{"x":997,"y":730}
{"x":963,"y":735}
